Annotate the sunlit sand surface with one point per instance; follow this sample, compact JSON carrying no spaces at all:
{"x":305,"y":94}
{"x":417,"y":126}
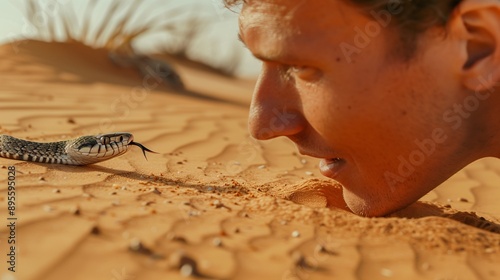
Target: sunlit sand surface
{"x":213,"y":204}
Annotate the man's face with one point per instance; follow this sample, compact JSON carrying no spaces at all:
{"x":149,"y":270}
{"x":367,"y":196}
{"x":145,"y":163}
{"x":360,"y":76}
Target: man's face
{"x":334,"y":81}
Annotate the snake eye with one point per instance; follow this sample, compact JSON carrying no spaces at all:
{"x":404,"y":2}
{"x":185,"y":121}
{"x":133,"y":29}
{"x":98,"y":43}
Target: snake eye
{"x":120,"y":139}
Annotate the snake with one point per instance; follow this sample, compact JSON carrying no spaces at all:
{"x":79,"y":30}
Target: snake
{"x":83,"y":150}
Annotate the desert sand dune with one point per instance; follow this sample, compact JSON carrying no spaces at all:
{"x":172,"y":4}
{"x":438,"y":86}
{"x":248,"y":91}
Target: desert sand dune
{"x":214,"y":203}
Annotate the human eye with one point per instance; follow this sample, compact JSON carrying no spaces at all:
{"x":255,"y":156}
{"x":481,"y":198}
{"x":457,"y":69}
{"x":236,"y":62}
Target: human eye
{"x":305,"y":73}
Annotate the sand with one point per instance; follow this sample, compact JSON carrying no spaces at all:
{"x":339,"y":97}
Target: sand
{"x":214,"y":203}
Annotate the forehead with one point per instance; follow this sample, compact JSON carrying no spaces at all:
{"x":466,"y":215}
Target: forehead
{"x":296,"y":15}
{"x":296,"y":24}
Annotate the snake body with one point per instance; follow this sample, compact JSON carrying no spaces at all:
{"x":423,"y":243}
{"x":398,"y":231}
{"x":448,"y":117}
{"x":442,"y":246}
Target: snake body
{"x":80,"y":151}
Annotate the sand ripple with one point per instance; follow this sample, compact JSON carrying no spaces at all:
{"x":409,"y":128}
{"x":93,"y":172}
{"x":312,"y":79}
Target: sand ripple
{"x":214,"y":203}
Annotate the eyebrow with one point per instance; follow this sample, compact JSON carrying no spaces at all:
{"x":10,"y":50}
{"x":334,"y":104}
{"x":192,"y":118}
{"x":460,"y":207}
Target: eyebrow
{"x":271,"y":59}
{"x":240,"y":38}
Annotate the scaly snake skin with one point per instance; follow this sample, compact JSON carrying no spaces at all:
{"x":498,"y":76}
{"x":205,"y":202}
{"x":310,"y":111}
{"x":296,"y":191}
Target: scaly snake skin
{"x":80,"y":151}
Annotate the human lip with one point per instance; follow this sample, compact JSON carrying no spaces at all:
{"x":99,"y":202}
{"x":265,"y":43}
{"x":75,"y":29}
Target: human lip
{"x":331,"y":167}
{"x":310,"y":154}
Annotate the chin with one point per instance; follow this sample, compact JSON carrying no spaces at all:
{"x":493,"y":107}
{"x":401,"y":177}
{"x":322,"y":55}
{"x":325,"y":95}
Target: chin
{"x":370,"y":205}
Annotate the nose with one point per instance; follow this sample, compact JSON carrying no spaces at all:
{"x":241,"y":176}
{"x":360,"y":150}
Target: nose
{"x":275,"y":109}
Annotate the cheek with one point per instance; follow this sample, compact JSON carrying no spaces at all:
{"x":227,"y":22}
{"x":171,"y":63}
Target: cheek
{"x":372,"y":115}
{"x":344,"y":111}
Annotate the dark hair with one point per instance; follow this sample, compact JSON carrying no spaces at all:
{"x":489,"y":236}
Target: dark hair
{"x":411,"y":17}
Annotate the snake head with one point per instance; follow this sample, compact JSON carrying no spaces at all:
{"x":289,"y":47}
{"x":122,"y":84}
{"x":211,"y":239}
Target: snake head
{"x":96,"y":148}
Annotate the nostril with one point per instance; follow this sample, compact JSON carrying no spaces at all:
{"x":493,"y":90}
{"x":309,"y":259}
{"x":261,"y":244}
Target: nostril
{"x":269,"y":123}
{"x":275,"y":109}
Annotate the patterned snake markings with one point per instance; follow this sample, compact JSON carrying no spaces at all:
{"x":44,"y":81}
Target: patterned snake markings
{"x":80,"y":151}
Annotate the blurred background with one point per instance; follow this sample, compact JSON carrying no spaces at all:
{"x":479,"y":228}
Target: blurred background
{"x":201,"y":30}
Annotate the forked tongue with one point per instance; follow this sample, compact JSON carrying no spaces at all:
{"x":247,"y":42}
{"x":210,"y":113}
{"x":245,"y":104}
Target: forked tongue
{"x":144,"y":149}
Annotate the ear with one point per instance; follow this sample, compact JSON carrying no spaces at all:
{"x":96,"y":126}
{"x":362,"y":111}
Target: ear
{"x":477,"y":24}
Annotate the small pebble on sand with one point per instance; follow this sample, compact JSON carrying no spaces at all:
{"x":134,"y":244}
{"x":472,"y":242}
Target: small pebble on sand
{"x":193,"y":213}
{"x":156,"y":191}
{"x":95,"y":230}
{"x":137,"y":246}
{"x":187,"y":266}
{"x":186,"y":270}
{"x":75,"y":210}
{"x":147,"y":203}
{"x":217,"y":242}
{"x":217,"y":203}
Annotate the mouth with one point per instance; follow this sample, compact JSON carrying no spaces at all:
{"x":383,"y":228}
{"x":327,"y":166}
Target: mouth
{"x":331,"y":167}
